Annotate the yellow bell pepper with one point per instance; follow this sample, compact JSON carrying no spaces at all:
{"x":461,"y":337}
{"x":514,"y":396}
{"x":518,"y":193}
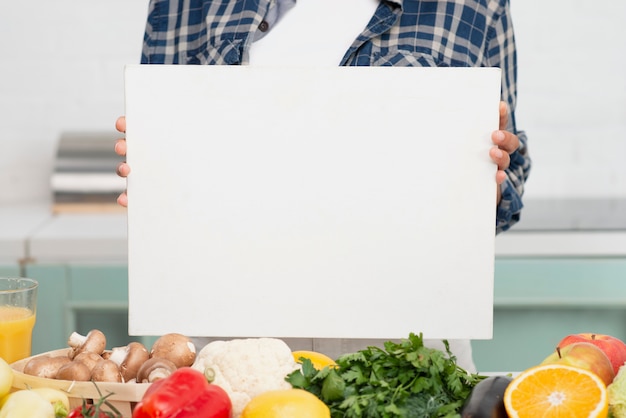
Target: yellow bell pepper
{"x":26,"y":404}
{"x":59,"y":400}
{"x":6,"y":377}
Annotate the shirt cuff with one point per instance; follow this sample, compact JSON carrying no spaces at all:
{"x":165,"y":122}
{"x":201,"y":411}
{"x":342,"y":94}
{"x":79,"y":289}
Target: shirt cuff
{"x":510,"y":207}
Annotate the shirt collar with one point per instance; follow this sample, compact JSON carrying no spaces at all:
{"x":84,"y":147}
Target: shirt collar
{"x":398,"y":2}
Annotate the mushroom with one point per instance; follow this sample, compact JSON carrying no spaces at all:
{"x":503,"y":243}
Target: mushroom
{"x":155,"y":369}
{"x":129,"y":359}
{"x":177,"y":348}
{"x":45,"y":366}
{"x":106,"y":371}
{"x":88,"y":358}
{"x":94,"y":342}
{"x":74,"y":371}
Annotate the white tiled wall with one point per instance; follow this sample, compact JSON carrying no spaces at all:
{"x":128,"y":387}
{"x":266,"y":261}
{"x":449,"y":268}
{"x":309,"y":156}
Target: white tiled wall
{"x":61,"y":69}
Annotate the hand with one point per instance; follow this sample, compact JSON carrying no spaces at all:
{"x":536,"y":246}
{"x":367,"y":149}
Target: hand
{"x":122,"y":170}
{"x":505,"y":144}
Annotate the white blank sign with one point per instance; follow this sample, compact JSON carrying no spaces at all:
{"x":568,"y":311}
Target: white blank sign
{"x":346,"y":202}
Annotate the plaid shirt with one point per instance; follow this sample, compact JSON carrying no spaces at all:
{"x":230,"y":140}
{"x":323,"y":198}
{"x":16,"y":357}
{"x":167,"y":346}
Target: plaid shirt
{"x":460,"y":33}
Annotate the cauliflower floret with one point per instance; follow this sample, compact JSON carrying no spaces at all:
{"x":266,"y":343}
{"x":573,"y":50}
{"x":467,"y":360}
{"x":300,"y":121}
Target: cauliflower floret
{"x":247,"y":367}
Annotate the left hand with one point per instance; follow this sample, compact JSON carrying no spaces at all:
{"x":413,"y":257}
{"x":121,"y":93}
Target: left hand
{"x":505,"y":144}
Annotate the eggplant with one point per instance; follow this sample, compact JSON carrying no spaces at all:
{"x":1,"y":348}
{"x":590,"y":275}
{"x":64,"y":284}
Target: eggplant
{"x":486,"y":400}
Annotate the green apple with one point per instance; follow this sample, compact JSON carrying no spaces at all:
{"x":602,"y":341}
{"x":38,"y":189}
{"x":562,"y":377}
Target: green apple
{"x":586,"y":356}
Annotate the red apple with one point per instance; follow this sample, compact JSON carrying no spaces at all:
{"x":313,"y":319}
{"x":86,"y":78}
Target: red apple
{"x":613,"y":347}
{"x":584,"y":355}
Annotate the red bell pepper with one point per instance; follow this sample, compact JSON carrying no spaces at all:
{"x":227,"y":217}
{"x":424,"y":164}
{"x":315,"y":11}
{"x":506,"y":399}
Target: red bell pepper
{"x":186,"y":393}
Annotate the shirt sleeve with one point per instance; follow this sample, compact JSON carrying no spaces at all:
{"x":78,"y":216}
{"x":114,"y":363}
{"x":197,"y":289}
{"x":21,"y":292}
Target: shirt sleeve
{"x":510,"y":206}
{"x":502,"y":53}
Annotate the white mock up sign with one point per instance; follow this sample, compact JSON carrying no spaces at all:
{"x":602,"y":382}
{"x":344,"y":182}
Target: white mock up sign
{"x":349,"y":202}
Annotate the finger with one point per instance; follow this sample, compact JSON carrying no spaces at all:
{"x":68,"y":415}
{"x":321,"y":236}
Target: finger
{"x":122,"y":200}
{"x":500,"y":176}
{"x":120,"y":124}
{"x":504,"y":115}
{"x":122,"y":169}
{"x":500,"y":157}
{"x":505,"y":140}
{"x":120,"y":147}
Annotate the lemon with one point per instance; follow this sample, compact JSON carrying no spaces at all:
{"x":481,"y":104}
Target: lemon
{"x":319,"y":360}
{"x":286,"y":403}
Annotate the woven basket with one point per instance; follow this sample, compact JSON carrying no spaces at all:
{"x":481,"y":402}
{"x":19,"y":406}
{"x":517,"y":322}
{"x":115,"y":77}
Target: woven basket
{"x":124,"y":395}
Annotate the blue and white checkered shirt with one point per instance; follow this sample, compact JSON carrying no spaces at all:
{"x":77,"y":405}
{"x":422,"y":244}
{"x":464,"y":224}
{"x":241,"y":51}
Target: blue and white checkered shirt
{"x":459,"y":33}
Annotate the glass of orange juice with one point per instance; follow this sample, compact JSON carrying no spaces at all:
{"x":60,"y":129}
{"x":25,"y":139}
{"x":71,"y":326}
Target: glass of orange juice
{"x":18,"y":310}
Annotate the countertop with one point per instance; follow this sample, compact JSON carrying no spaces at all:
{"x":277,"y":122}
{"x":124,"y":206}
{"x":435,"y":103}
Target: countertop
{"x":568,"y":228}
{"x":549,"y":227}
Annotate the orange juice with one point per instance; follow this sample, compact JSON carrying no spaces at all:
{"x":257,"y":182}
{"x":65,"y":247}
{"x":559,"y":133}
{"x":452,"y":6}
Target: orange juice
{"x":16,"y":330}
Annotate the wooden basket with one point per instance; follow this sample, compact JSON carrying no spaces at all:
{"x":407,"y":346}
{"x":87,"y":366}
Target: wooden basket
{"x":124,"y":395}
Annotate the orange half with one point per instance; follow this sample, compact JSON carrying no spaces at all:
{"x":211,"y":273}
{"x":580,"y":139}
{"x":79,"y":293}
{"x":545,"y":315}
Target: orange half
{"x":556,"y":390}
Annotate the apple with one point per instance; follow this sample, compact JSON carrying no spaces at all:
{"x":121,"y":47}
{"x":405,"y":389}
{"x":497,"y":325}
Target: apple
{"x":584,"y":355}
{"x":613,"y":347}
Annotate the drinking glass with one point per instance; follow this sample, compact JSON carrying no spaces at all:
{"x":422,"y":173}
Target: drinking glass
{"x":18,"y":310}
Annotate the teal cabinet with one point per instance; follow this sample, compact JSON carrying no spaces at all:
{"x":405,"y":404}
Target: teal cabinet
{"x":10,"y":270}
{"x":538,"y":301}
{"x":78,"y":298}
{"x":49,"y":332}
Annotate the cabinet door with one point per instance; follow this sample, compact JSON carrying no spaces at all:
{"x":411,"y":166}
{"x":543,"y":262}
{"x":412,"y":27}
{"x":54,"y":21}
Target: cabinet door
{"x":49,"y":332}
{"x":10,"y":270}
{"x":539,"y":301}
{"x":98,"y":299}
{"x":78,"y":298}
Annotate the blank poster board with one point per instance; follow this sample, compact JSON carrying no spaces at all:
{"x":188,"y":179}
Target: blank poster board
{"x":346,"y":202}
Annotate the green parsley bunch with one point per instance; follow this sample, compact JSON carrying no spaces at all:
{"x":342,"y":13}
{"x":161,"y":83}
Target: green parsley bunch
{"x":404,"y":379}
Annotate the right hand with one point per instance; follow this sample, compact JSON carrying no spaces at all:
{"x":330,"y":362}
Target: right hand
{"x":123,"y":169}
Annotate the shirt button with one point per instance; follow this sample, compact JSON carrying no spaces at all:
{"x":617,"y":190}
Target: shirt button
{"x":264,"y":26}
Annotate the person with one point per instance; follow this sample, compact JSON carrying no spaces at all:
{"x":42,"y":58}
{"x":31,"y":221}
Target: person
{"x":462,"y":33}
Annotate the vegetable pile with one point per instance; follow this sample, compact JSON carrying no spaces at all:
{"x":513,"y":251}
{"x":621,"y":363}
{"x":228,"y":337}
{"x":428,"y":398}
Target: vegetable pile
{"x":404,"y":379}
{"x":263,"y":378}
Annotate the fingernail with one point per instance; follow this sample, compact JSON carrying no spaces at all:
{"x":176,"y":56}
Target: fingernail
{"x":499,"y":136}
{"x":498,"y":153}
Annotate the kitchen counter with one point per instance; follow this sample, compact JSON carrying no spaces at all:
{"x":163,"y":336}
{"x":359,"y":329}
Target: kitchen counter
{"x":549,"y":227}
{"x":77,"y":237}
{"x":17,"y":224}
{"x":567,"y":228}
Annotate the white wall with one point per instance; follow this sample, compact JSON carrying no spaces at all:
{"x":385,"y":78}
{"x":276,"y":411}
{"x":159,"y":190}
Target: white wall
{"x":62,"y":70}
{"x":572,"y":98}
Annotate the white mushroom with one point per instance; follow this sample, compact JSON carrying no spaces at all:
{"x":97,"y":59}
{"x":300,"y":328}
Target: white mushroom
{"x":177,"y":348}
{"x":94,"y":342}
{"x":155,"y":369}
{"x":129,"y":358}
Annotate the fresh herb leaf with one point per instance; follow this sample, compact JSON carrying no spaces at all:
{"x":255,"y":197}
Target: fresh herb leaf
{"x":405,"y":379}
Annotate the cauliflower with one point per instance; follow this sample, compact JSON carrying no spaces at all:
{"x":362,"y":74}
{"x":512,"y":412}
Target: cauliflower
{"x":247,"y":367}
{"x":616,"y":392}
